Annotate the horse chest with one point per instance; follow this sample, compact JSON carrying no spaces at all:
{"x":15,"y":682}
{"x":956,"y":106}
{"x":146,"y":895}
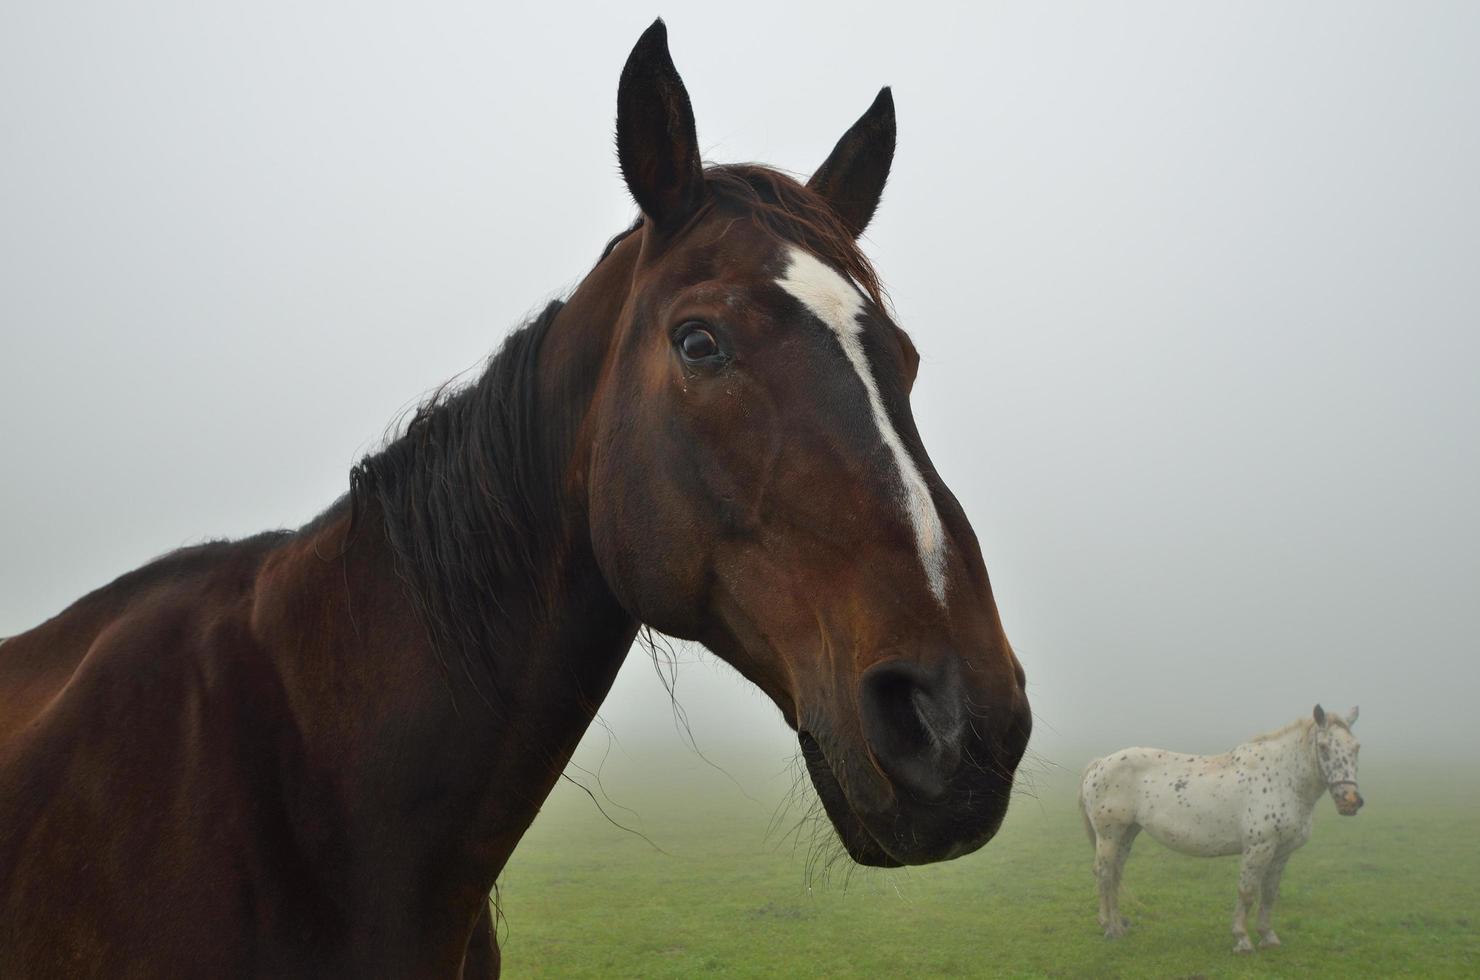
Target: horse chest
{"x":1275,"y":813}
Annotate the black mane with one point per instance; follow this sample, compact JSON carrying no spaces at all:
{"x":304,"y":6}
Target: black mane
{"x":468,"y":495}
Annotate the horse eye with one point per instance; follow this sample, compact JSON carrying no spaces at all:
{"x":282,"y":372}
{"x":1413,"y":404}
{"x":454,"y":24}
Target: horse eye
{"x":698,"y":344}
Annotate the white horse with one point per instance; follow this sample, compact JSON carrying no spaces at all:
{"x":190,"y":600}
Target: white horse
{"x":1257,"y":800}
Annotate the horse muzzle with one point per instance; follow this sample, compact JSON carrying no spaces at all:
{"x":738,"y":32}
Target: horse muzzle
{"x":934,"y":774}
{"x":1348,"y":801}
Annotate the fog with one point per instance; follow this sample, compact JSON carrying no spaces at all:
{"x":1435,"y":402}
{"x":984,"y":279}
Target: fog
{"x":1197,"y":289}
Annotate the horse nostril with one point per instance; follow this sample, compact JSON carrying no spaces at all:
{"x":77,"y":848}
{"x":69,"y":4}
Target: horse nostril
{"x":913,"y":719}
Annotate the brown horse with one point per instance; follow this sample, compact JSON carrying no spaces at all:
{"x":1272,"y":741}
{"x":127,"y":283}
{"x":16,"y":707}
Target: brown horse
{"x":312,"y":752}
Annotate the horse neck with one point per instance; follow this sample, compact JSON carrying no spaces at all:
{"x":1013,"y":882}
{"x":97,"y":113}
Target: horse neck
{"x":478,"y":643}
{"x":1298,"y":752}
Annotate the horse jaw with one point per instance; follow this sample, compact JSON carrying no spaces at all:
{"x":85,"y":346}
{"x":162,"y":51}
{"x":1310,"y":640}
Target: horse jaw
{"x":857,"y":841}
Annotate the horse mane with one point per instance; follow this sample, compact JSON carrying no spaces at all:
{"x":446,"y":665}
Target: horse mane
{"x":1282,"y":731}
{"x":468,"y":498}
{"x":1304,"y":724}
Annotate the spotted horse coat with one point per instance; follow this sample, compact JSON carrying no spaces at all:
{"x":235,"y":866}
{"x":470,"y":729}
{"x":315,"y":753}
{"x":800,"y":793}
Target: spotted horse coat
{"x":1257,"y":801}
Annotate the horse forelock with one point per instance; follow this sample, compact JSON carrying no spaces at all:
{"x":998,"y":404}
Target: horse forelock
{"x":793,"y":213}
{"x":788,"y":211}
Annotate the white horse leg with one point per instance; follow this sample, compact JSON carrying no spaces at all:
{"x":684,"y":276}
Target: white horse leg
{"x":1127,"y":838}
{"x":1250,"y":874}
{"x":1106,"y":847}
{"x":1112,"y":846}
{"x":1269,"y":892}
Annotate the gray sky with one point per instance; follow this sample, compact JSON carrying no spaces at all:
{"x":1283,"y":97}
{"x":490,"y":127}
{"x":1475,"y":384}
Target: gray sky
{"x":1196,"y":288}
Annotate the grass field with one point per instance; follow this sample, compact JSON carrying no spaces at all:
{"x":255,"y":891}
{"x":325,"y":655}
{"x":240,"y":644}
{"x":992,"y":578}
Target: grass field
{"x":1392,"y":892}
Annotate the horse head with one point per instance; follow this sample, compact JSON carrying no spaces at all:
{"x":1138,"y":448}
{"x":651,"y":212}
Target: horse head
{"x":757,"y":482}
{"x":1336,"y":754}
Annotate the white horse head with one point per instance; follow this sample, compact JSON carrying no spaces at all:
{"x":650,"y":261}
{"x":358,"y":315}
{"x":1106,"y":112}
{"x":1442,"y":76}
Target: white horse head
{"x":1336,"y":754}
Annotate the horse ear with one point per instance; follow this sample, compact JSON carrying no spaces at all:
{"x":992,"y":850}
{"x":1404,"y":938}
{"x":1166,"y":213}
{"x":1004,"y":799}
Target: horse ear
{"x":1351,"y":716}
{"x":852,"y":178}
{"x":656,"y":143}
{"x":1320,"y":716}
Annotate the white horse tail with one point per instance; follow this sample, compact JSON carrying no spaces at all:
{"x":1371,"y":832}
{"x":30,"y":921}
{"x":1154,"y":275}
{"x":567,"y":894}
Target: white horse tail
{"x":1089,"y":828}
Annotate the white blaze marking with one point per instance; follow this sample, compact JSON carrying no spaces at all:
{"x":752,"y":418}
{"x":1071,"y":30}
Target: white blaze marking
{"x":838,"y":303}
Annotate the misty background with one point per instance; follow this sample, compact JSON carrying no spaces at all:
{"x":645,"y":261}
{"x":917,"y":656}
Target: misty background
{"x":1197,"y":290}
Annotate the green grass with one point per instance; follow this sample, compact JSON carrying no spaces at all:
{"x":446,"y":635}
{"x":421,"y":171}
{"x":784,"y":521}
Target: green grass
{"x":1392,"y":892}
